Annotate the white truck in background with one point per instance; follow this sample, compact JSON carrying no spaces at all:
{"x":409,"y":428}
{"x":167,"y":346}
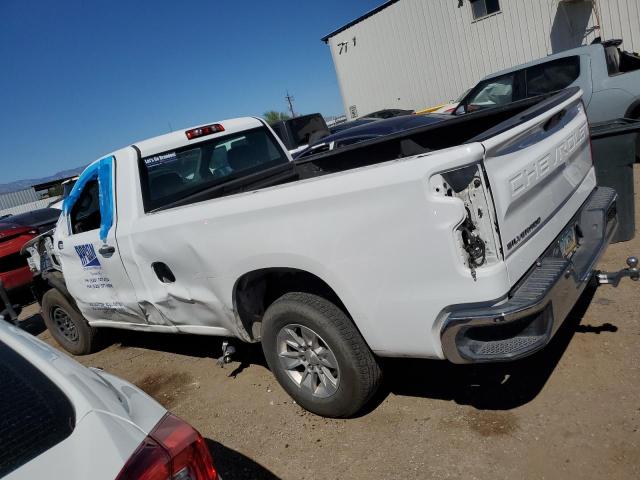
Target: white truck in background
{"x":468,"y":240}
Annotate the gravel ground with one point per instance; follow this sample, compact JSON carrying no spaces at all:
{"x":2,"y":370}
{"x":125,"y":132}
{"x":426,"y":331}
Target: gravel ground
{"x":571,"y":411}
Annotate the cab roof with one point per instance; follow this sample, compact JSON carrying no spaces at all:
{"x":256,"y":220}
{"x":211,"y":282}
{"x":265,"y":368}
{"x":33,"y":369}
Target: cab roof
{"x":178,"y":138}
{"x":583,"y":50}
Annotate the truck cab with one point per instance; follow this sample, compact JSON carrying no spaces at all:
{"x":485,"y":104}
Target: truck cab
{"x":608,"y":77}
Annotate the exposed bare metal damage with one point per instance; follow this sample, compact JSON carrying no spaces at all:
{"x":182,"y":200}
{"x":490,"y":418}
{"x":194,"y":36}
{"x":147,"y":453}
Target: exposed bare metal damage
{"x":477,"y":236}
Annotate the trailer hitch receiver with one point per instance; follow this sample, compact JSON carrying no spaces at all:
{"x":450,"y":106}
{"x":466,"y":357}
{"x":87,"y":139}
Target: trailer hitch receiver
{"x":613,"y":278}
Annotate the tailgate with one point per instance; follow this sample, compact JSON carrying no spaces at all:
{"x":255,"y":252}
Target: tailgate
{"x":540,"y":171}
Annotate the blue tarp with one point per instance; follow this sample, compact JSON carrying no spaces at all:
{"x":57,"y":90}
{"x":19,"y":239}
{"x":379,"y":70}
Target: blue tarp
{"x":102,"y":170}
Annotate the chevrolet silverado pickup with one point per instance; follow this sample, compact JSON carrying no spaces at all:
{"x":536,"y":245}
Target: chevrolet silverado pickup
{"x":468,"y":240}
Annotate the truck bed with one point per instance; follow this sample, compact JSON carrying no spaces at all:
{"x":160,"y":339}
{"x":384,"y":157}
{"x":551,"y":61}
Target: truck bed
{"x":472,"y":127}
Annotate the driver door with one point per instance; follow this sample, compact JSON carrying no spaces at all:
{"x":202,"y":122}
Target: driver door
{"x":86,"y":244}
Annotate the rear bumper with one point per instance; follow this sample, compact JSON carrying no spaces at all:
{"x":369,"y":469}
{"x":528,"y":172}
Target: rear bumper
{"x":541,"y":301}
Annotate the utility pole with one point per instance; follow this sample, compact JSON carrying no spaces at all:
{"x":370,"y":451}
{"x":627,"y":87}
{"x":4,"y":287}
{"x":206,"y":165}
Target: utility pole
{"x":290,"y":100}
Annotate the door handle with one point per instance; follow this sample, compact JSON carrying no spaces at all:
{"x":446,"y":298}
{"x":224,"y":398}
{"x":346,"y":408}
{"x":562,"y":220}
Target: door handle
{"x":107,"y":250}
{"x":163,"y":272}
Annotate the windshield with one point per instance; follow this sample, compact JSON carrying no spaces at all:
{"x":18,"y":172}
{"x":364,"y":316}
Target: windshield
{"x":462,"y":95}
{"x":493,"y":92}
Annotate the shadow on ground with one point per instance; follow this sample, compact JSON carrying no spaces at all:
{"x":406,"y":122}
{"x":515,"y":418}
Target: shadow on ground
{"x":500,"y":386}
{"x":192,"y":345}
{"x":232,"y":465}
{"x":33,"y":324}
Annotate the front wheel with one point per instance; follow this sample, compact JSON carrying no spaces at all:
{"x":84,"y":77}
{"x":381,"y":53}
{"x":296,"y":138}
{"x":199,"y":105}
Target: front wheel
{"x":318,"y":356}
{"x":67,"y":325}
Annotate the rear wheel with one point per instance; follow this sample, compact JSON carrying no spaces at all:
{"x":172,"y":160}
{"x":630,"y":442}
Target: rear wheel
{"x":67,"y":325}
{"x":318,"y":356}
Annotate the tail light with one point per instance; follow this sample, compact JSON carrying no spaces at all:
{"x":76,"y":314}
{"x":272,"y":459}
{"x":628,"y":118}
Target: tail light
{"x":477,"y":236}
{"x":204,"y":131}
{"x":174,"y":450}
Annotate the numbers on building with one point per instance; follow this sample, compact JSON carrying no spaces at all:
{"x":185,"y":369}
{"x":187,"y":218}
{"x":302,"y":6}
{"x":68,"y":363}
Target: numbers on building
{"x":343,"y":47}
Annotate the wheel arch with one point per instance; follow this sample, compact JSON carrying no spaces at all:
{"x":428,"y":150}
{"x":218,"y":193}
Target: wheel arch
{"x":254,"y":291}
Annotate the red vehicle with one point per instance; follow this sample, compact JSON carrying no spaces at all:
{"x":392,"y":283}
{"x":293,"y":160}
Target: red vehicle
{"x":14,"y":270}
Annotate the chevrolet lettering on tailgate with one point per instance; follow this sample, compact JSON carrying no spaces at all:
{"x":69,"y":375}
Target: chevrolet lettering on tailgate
{"x":538,"y":169}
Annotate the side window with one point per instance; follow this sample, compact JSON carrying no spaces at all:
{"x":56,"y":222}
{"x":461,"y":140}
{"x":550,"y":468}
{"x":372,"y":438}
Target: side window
{"x":85,"y":214}
{"x":552,"y":76}
{"x":494,"y":92}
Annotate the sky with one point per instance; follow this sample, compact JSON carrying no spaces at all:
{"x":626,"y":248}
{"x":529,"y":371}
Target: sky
{"x":79,"y":79}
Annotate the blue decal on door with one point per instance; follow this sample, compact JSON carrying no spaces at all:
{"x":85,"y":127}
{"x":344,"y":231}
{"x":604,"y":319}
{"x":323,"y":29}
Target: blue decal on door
{"x":87,"y":255}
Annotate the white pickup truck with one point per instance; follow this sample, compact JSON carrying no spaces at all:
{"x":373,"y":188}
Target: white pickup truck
{"x":468,"y":240}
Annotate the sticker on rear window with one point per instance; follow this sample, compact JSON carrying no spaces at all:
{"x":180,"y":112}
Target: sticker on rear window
{"x":160,"y":159}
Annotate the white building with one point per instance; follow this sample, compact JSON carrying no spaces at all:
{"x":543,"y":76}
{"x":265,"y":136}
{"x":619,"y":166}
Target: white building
{"x":418,"y":53}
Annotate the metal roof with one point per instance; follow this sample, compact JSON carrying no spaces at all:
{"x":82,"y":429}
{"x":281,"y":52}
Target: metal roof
{"x":326,"y":38}
{"x":45,"y":185}
{"x":13,"y":199}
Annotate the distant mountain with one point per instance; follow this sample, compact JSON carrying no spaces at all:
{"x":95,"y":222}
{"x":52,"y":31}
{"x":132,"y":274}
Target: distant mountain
{"x":23,"y":184}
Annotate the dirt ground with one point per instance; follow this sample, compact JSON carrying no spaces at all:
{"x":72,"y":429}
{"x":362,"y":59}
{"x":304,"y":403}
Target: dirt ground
{"x":571,"y":411}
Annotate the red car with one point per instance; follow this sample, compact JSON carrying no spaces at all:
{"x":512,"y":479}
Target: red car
{"x":14,"y":270}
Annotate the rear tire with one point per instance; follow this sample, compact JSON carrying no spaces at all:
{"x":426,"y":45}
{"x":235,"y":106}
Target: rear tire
{"x":67,"y":325}
{"x":318,"y":356}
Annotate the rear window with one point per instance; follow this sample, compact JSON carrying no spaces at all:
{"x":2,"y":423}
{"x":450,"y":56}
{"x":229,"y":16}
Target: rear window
{"x":36,"y":415}
{"x":552,"y":76}
{"x":176,"y":174}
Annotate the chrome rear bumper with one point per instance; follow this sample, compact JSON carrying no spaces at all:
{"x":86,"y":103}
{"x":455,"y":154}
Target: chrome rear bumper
{"x":541,"y":301}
